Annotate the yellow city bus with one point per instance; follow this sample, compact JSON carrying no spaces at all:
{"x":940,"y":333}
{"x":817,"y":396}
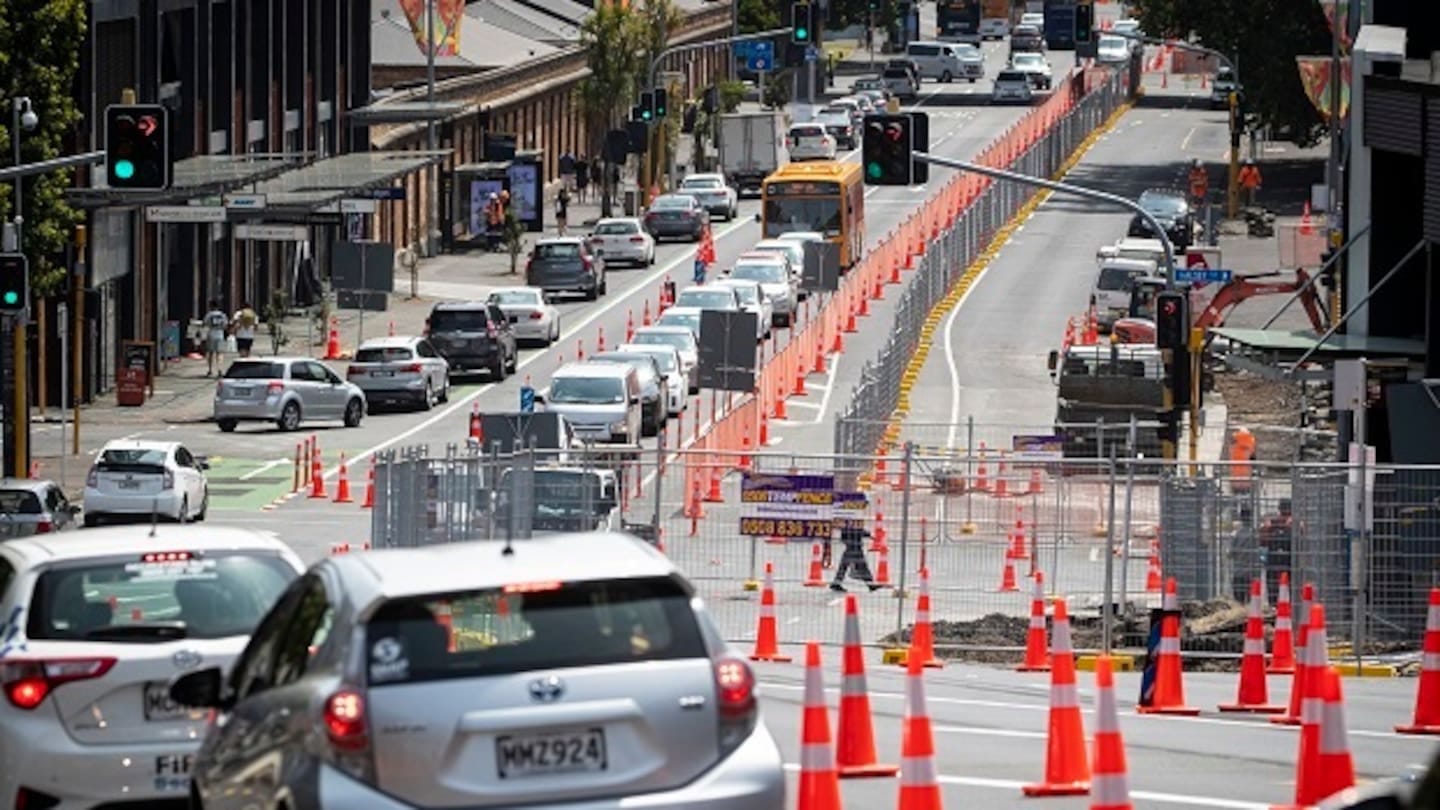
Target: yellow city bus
{"x":823,"y":196}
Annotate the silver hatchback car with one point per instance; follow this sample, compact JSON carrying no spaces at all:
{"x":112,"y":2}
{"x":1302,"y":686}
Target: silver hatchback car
{"x":401,"y":369}
{"x":567,"y":670}
{"x":285,"y":390}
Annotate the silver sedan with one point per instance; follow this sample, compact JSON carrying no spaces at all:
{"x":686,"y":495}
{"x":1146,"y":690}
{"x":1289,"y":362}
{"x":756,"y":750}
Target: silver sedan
{"x":532,"y":318}
{"x":401,"y":369}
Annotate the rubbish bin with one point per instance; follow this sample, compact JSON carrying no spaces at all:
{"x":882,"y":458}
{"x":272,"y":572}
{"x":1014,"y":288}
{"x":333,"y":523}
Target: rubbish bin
{"x":130,"y":387}
{"x":632,"y":203}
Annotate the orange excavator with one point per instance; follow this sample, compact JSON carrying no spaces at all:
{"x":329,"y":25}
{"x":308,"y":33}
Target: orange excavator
{"x":1140,"y":326}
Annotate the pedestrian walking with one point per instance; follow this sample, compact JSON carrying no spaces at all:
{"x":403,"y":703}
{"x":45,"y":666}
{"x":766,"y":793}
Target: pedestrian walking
{"x":852,"y":560}
{"x":582,"y":179}
{"x":243,"y":323}
{"x":562,"y":210}
{"x":215,"y":323}
{"x":567,"y":169}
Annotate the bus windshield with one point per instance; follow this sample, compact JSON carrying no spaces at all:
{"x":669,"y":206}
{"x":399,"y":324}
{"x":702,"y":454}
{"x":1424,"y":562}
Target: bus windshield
{"x":788,"y":214}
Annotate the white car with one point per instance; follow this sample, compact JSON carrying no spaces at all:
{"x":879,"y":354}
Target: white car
{"x":753,"y":299}
{"x":1012,"y":85}
{"x":532,"y":318}
{"x":622,"y":239}
{"x":671,"y":366}
{"x":994,"y":27}
{"x":682,"y":340}
{"x":1111,"y":50}
{"x":708,"y":296}
{"x":793,"y":251}
{"x":688,"y":317}
{"x":1033,"y":65}
{"x":1132,"y":27}
{"x":810,"y":142}
{"x":143,"y":478}
{"x":400,"y":369}
{"x":839,"y":123}
{"x":772,"y":273}
{"x":713,"y":193}
{"x":1035,"y":18}
{"x":111,"y":617}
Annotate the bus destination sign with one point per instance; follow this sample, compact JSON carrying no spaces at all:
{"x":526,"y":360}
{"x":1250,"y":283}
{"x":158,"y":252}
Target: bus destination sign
{"x":802,"y":188}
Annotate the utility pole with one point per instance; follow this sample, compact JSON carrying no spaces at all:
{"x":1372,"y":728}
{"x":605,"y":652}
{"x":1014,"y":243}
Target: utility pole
{"x":432,"y":231}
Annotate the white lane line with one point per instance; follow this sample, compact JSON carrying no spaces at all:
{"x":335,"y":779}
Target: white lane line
{"x":1185,"y":142}
{"x":951,"y":365}
{"x":270,"y":465}
{"x":1144,"y":795}
{"x":829,"y":386}
{"x":594,"y":315}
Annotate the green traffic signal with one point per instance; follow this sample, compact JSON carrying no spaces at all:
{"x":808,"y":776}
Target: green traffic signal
{"x":801,"y":23}
{"x":124,"y":169}
{"x":11,"y":298}
{"x":874,"y":171}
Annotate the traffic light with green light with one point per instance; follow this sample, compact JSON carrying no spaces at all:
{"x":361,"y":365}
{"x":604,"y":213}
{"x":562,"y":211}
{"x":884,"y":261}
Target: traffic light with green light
{"x":661,"y":97}
{"x":1084,"y":23}
{"x":802,"y":25}
{"x":14,"y":283}
{"x":137,"y":147}
{"x":886,"y":150}
{"x":647,"y":107}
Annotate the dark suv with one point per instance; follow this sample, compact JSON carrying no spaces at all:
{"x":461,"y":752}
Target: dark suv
{"x":564,"y":264}
{"x":1173,"y":210}
{"x":473,"y":336}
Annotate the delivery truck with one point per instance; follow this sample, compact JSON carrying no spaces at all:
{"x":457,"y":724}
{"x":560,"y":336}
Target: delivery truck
{"x":751,"y":149}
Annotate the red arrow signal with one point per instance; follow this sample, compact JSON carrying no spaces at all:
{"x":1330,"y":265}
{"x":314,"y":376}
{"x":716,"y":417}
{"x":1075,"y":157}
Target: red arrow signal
{"x":147,"y":125}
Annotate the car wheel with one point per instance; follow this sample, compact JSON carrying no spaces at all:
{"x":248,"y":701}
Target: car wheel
{"x":514,"y":361}
{"x":592,"y":293}
{"x":972,"y":81}
{"x":204,"y":507}
{"x":604,"y":285}
{"x":94,"y":521}
{"x":227,"y":425}
{"x":289,"y":417}
{"x":652,"y":256}
{"x":183,"y":513}
{"x":445,"y":390}
{"x":497,"y":368}
{"x":555,"y":333}
{"x":945,"y":77}
{"x":427,"y":399}
{"x":354,"y":412}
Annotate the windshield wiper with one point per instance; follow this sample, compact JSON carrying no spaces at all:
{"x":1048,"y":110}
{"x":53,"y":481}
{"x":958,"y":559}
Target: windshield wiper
{"x":167,"y":631}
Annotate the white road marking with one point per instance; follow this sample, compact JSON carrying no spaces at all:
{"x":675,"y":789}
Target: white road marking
{"x":269,"y":465}
{"x":1143,"y":795}
{"x":1185,"y":142}
{"x":829,"y":386}
{"x":950,"y":363}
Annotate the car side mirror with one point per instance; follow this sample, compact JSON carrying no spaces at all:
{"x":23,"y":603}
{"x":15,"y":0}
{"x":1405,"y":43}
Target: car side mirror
{"x":200,"y":689}
{"x":73,"y":509}
{"x":539,"y":398}
{"x":1053,"y":362}
{"x":634,"y":400}
{"x":202,"y":462}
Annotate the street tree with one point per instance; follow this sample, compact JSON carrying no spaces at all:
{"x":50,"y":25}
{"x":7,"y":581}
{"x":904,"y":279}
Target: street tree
{"x":611,"y":36}
{"x":40,"y":45}
{"x":1264,"y":37}
{"x":757,"y":15}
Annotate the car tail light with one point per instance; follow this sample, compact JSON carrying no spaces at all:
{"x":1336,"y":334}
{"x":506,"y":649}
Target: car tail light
{"x":92,"y":478}
{"x":491,"y":331}
{"x":345,"y":721}
{"x":31,"y":799}
{"x":735,"y":701}
{"x":351,"y":371}
{"x":589,"y":265}
{"x":537,"y":315}
{"x":28,"y":683}
{"x":413,"y":368}
{"x":638,"y":240}
{"x":44,"y":527}
{"x":274,"y":389}
{"x":168,"y":482}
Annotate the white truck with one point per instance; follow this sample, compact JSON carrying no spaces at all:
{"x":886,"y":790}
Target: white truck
{"x":752,"y":147}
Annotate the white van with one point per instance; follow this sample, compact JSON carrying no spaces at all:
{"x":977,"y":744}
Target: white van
{"x":602,"y":401}
{"x":1132,"y":247}
{"x":939,"y":60}
{"x":1111,"y":294}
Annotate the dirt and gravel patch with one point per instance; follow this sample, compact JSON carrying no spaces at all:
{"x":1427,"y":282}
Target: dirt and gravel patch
{"x":1276,"y":412}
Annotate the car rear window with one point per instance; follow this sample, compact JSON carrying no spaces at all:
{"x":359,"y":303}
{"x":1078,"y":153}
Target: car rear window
{"x":675,"y":202}
{"x":1117,"y":278}
{"x":388,"y":354}
{"x":1011,"y":76}
{"x":682,"y":341}
{"x":255,"y":371}
{"x":19,"y":502}
{"x":558,"y":250}
{"x":587,"y":390}
{"x":665,"y":360}
{"x":515,"y":298}
{"x":896,"y":73}
{"x":806,"y":132}
{"x":149,"y":460}
{"x":616,"y":228}
{"x":157,"y":596}
{"x":459,"y":320}
{"x":700,"y":183}
{"x":706,"y":299}
{"x":529,"y":627}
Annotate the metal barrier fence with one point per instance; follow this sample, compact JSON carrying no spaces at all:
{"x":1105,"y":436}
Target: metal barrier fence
{"x":1093,"y":527}
{"x":878,"y":397}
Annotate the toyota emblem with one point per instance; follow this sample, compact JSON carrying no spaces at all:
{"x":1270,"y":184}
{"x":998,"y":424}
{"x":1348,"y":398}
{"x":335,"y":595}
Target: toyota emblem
{"x":547,"y":690}
{"x":186,"y":660}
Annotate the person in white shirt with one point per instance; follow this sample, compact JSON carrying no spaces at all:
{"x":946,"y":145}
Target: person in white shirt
{"x":243,"y":322}
{"x":215,"y":323}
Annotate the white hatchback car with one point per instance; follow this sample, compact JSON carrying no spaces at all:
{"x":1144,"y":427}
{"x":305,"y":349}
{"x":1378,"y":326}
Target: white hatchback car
{"x":403,"y":369}
{"x":622,"y":239}
{"x":810,"y":142}
{"x":532,"y":318}
{"x":143,"y":478}
{"x":1012,"y":85}
{"x":111,"y":616}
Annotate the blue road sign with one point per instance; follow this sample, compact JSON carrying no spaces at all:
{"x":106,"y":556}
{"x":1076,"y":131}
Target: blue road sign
{"x":527,"y":399}
{"x":743,"y":50}
{"x":812,"y":54}
{"x":1203,"y":276}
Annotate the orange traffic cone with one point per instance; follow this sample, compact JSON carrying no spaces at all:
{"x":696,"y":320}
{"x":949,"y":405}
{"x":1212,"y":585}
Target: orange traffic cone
{"x":1302,"y":663}
{"x":445,"y":617}
{"x":476,"y":432}
{"x":317,"y":473}
{"x":1110,"y":782}
{"x":922,"y":637}
{"x":919,"y":787}
{"x":1036,"y":658}
{"x":630,"y":326}
{"x":855,"y":733}
{"x":1037,"y":482}
{"x":392,"y":329}
{"x":1067,"y":768}
{"x":816,"y":578}
{"x":1282,"y":651}
{"x":877,"y":540}
{"x":1427,"y":697}
{"x":882,"y":568}
{"x":1306,"y":228}
{"x":1334,"y":765}
{"x":1007,"y":576}
{"x":645,"y":314}
{"x":819,"y":784}
{"x":369,"y":502}
{"x":1254,"y":693}
{"x":1019,"y":550}
{"x":1168,"y":696}
{"x":332,"y":344}
{"x":600,"y":341}
{"x":1153,"y":574}
{"x":339,"y":548}
{"x":1310,"y":779}
{"x":342,"y":487}
{"x":767,"y":646}
{"x":982,"y":480}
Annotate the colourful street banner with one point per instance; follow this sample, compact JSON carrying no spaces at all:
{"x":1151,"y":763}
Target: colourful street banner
{"x":1316,"y":73}
{"x":1332,"y":8}
{"x":445,"y":18}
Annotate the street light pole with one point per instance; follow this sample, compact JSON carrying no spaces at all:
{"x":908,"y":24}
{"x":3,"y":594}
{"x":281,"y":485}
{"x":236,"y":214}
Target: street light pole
{"x":432,"y":233}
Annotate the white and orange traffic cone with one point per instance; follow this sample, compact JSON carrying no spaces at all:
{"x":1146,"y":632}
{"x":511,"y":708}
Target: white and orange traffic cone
{"x":476,"y":433}
{"x":922,"y":636}
{"x":878,"y":538}
{"x":1427,"y":696}
{"x":855,"y":749}
{"x":919,"y":784}
{"x":819,"y":783}
{"x":369,"y":502}
{"x":1254,"y":693}
{"x":816,"y":577}
{"x":1110,"y":780}
{"x":1311,"y":782}
{"x":1168,"y":696}
{"x":1154,"y":577}
{"x":1334,"y":764}
{"x":1067,"y":767}
{"x":882,"y":567}
{"x":1282,"y":651}
{"x":767,"y":642}
{"x":1007,"y":576}
{"x":1037,"y":658}
{"x":317,"y":473}
{"x":1302,"y":663}
{"x":342,"y":486}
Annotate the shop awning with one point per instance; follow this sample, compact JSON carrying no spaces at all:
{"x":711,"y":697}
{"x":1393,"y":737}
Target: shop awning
{"x":303,"y":190}
{"x":192,"y":178}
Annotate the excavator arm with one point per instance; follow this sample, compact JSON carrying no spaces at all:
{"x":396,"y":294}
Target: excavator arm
{"x":1245,"y":287}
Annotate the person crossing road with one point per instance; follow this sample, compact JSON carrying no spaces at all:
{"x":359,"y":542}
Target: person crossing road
{"x":852,"y":560}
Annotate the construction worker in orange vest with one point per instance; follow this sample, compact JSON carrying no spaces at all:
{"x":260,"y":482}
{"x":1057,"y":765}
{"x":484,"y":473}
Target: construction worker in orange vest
{"x":1199,"y":181}
{"x":1249,"y":179}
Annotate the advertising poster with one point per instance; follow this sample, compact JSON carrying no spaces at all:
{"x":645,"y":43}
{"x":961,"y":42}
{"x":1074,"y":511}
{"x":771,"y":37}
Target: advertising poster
{"x":524,"y":185}
{"x":480,"y":191}
{"x":797,"y":507}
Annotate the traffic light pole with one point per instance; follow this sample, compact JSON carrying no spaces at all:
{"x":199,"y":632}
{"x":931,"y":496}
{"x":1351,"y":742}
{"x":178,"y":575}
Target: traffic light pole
{"x":1065,"y":188}
{"x":709,"y":43}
